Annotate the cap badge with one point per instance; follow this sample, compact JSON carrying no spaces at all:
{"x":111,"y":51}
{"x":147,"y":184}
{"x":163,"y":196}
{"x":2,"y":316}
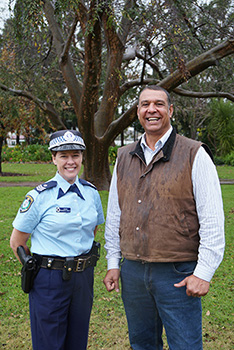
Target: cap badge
{"x":69,"y":136}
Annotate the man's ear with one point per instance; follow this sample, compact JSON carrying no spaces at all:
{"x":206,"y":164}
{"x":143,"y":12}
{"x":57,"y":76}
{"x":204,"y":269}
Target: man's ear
{"x":138,"y":111}
{"x":171,"y":109}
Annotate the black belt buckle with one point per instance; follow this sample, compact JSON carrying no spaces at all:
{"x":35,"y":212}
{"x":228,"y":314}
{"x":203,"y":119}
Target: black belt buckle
{"x":81,"y":264}
{"x":68,"y":268}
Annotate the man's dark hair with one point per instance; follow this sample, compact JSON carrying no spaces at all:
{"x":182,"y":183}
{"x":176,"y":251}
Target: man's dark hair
{"x":157,"y":88}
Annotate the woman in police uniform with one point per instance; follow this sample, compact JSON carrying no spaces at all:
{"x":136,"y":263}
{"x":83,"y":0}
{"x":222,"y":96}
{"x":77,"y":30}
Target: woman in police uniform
{"x":61,"y":216}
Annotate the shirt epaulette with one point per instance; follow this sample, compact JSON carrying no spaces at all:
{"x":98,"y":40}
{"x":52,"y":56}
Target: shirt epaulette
{"x":86,"y":183}
{"x":46,"y":186}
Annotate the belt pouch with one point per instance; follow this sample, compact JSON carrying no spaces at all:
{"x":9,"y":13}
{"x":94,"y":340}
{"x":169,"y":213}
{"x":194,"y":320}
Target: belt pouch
{"x":96,"y":250}
{"x":68,"y":268}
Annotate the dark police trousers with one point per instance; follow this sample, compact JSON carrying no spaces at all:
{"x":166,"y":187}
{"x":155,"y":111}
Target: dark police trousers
{"x":60,"y":310}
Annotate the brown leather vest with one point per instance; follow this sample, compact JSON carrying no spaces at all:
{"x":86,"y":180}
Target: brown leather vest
{"x":158,"y":213}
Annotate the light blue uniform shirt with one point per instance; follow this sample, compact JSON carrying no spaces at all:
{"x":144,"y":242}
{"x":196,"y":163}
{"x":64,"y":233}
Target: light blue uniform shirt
{"x":60,"y":227}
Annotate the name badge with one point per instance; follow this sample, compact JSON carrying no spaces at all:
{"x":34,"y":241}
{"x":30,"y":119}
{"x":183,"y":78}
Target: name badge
{"x":63,"y":210}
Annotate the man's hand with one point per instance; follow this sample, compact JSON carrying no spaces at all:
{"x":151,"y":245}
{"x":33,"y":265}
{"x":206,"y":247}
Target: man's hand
{"x":111,"y":280}
{"x":195,"y":287}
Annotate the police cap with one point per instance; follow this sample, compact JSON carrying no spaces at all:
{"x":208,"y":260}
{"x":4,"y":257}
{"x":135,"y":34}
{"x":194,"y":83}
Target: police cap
{"x":66,"y":140}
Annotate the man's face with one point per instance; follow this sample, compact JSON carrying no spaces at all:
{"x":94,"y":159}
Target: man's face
{"x":154,"y":113}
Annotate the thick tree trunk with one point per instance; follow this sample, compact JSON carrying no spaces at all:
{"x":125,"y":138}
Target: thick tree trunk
{"x":96,"y":166}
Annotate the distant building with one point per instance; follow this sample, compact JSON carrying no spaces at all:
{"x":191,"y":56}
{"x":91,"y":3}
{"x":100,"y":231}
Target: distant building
{"x":11,"y":139}
{"x":129,"y":136}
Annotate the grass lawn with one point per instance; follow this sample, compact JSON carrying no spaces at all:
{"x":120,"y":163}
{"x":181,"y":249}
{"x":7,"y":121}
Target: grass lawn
{"x":108,"y":327}
{"x":37,"y":172}
{"x":40,"y":172}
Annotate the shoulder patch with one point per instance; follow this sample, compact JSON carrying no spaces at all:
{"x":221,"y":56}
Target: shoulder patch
{"x":86,"y":183}
{"x":46,"y":186}
{"x":28,"y":201}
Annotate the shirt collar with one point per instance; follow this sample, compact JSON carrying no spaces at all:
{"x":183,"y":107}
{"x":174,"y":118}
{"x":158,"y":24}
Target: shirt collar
{"x":159,"y":144}
{"x":63,"y":184}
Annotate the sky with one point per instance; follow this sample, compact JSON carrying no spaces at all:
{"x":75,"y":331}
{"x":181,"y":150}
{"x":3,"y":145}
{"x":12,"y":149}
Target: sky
{"x":4,"y":11}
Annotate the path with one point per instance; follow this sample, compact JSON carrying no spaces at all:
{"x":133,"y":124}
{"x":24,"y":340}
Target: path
{"x":34,"y":184}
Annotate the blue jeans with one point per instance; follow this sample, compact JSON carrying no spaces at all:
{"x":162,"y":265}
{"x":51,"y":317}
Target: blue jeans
{"x":151,"y":301}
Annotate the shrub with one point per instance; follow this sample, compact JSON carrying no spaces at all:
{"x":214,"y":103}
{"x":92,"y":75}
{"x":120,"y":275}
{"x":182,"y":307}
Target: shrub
{"x":219,"y":160}
{"x":31,"y":153}
{"x":229,"y":159}
{"x":112,"y":154}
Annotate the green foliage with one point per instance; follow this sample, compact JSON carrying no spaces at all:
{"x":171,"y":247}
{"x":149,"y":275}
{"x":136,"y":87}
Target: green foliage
{"x":39,"y":153}
{"x":113,"y":154}
{"x":220,"y":126}
{"x":224,"y":159}
{"x":29,"y":153}
{"x":229,"y":159}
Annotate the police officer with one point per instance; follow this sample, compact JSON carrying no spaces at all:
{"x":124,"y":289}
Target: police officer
{"x":61,"y":216}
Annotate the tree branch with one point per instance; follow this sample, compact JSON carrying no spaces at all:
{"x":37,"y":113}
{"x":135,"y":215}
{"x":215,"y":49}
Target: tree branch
{"x":188,"y":23}
{"x":45,"y":106}
{"x":201,"y":94}
{"x":66,"y":66}
{"x":82,"y":15}
{"x":126,"y":22}
{"x":199,"y":64}
{"x":115,"y":51}
{"x":119,"y":124}
{"x":152,"y":64}
{"x":65,"y":52}
{"x":136,"y":82}
{"x":46,"y":56}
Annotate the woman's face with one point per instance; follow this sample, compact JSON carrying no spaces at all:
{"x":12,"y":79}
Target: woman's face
{"x":68,"y":164}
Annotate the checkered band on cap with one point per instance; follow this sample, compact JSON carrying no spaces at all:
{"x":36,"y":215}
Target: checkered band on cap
{"x":61,"y":140}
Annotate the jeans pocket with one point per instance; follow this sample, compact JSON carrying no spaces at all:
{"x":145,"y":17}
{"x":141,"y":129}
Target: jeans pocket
{"x":122,"y":262}
{"x":185,"y":267}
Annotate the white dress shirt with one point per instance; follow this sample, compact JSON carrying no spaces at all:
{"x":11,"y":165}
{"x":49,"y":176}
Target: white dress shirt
{"x":209,"y":205}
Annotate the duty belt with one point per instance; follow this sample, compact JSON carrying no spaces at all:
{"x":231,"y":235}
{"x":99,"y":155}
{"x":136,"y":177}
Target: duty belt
{"x":76,"y":264}
{"x":71,"y":264}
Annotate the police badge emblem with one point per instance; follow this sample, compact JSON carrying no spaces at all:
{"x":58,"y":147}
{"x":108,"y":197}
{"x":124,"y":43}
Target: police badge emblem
{"x":26,"y":204}
{"x":69,"y":136}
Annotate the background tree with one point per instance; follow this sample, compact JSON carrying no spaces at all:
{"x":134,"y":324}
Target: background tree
{"x":92,"y":56}
{"x":220,"y":126}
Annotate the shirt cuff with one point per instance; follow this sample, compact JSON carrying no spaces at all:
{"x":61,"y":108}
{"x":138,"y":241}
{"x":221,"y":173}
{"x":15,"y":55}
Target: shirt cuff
{"x":113,"y":263}
{"x":203,"y":272}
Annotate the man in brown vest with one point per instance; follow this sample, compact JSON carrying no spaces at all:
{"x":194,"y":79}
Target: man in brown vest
{"x":165,"y":219}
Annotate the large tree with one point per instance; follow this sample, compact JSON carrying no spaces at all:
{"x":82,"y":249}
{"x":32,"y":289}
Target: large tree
{"x":105,"y":50}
